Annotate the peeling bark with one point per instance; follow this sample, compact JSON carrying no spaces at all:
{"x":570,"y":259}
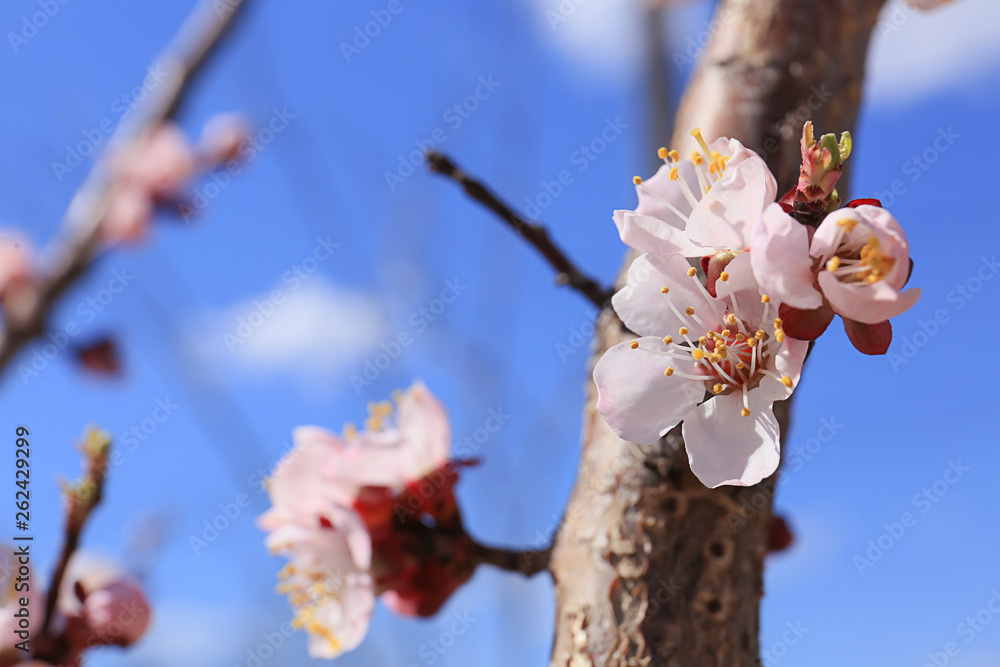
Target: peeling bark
{"x":651,"y":567}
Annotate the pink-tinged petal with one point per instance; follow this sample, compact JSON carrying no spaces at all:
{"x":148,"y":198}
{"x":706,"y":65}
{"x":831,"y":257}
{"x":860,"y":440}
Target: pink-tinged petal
{"x":664,"y":199}
{"x":426,"y":431}
{"x":781,"y":262}
{"x":652,"y":235}
{"x":726,"y":213}
{"x":642,"y":306}
{"x":297,"y":489}
{"x":743,"y":282}
{"x":726,"y":448}
{"x":864,"y":302}
{"x":870,"y":339}
{"x":872,"y":221}
{"x":127,"y":216}
{"x":637,"y":400}
{"x":805,"y":324}
{"x":790,"y":359}
{"x":344,"y":619}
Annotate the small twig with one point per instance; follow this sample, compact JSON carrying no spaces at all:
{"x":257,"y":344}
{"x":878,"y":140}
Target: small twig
{"x":528,"y":563}
{"x":534,"y":234}
{"x":182,"y":60}
{"x":81,"y":501}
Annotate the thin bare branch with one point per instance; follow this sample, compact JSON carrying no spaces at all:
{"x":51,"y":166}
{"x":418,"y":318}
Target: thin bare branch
{"x":182,"y":60}
{"x":534,"y":234}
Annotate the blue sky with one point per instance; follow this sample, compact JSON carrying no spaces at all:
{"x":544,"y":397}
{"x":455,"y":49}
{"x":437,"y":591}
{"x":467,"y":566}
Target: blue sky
{"x":868,"y":436}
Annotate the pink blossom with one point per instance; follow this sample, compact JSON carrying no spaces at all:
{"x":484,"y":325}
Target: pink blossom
{"x":333,"y":515}
{"x":222,"y":136}
{"x":691,"y":343}
{"x":702,"y":206}
{"x":858,"y":260}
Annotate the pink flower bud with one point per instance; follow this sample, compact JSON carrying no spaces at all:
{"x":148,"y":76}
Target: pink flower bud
{"x":117,"y":613}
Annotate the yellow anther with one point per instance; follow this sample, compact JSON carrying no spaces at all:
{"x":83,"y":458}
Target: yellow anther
{"x":683,"y":331}
{"x":692,"y":271}
{"x":724,"y":276}
{"x":373,"y":424}
{"x":675,"y":156}
{"x":765,"y":298}
{"x":726,"y":333}
{"x":779,"y":335}
{"x":753,"y":342}
{"x":697,"y":158}
{"x":759,"y":334}
{"x":674,"y":174}
{"x":740,"y":337}
{"x":730,"y":318}
{"x":745,"y":412}
{"x":716,"y":358}
{"x":717,"y":388}
{"x":667,"y":340}
{"x":778,"y":323}
{"x":664,"y":289}
{"x":848,"y":224}
{"x":350,"y":430}
{"x":689,"y":310}
{"x":787,"y":381}
{"x":702,"y":339}
{"x":634,"y":344}
{"x":637,"y":180}
{"x":669,"y":371}
{"x":662,"y":153}
{"x":739,"y":364}
{"x":698,"y":354}
{"x":833,"y":264}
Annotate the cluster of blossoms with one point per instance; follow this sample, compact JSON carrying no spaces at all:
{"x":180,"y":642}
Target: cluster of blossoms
{"x":717,"y":347}
{"x":98,"y":605}
{"x":368,"y":513}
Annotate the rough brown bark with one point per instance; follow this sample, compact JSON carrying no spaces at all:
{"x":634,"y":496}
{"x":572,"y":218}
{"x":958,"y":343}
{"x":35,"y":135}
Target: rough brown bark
{"x":651,"y":567}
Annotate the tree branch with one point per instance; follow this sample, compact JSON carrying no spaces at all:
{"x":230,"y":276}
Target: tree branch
{"x":528,"y":563}
{"x":182,"y":60}
{"x":534,"y":234}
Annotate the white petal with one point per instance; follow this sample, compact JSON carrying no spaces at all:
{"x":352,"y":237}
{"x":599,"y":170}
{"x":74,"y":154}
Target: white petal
{"x":726,"y":213}
{"x":863,"y":302}
{"x":652,"y":235}
{"x":726,"y":448}
{"x":426,"y":430}
{"x":779,"y":250}
{"x":637,"y":400}
{"x":644,"y":309}
{"x":662,"y":188}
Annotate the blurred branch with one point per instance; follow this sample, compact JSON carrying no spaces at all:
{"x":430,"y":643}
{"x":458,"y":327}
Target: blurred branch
{"x":182,"y":60}
{"x":528,"y":563}
{"x":534,"y":234}
{"x":81,"y":501}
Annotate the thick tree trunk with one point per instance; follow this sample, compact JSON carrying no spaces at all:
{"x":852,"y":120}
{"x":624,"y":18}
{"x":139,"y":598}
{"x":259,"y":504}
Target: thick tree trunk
{"x":651,"y":567}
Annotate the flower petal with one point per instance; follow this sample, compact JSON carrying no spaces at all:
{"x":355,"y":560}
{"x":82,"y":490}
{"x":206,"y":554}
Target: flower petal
{"x":868,"y":303}
{"x":652,"y":235}
{"x":657,"y":192}
{"x":644,"y":309}
{"x":726,"y":213}
{"x":637,"y":400}
{"x":781,"y":262}
{"x":725,"y":448}
{"x":869,"y":338}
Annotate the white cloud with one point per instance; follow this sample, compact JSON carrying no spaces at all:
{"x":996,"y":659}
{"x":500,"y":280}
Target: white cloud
{"x":915,"y":53}
{"x":316,"y":331}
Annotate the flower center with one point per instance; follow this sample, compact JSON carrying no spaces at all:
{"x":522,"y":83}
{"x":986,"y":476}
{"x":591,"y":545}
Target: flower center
{"x":731,"y":357}
{"x":858,"y":259}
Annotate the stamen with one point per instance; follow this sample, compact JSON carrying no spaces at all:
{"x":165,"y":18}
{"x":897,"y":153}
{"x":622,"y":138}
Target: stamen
{"x":634,"y":345}
{"x":724,"y":276}
{"x":667,"y":340}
